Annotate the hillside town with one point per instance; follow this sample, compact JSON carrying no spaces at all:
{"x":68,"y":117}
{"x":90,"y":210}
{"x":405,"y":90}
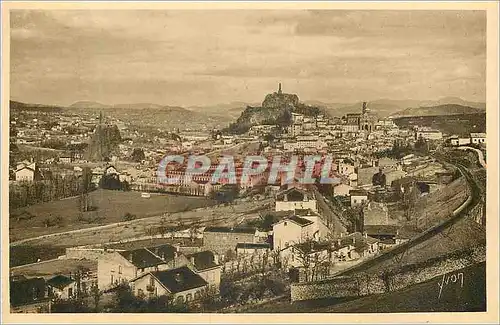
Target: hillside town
{"x":251,"y":160}
{"x":389,"y":179}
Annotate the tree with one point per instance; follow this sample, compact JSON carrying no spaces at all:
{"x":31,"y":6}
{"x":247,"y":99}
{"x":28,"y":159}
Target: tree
{"x":193,"y":233}
{"x":421,"y":146}
{"x":128,"y":216}
{"x":229,"y":291}
{"x":138,"y":155}
{"x":310,"y":258}
{"x":85,"y":188}
{"x":110,"y":182}
{"x":96,"y":296}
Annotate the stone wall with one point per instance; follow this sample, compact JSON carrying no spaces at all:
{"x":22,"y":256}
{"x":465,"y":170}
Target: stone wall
{"x":362,"y":284}
{"x":87,"y":253}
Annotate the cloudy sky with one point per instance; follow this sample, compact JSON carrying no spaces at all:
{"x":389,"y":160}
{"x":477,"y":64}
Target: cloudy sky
{"x":209,"y":57}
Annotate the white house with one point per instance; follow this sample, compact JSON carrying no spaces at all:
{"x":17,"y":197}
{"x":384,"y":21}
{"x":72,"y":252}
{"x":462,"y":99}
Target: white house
{"x":429,"y":134}
{"x":290,"y":231}
{"x":295,"y":229}
{"x":295,"y":198}
{"x":27,"y":173}
{"x":182,"y":284}
{"x":341,"y":189}
{"x":457,"y":141}
{"x":478,"y":138}
{"x":62,"y":287}
{"x":358,"y":197}
{"x":345,"y":168}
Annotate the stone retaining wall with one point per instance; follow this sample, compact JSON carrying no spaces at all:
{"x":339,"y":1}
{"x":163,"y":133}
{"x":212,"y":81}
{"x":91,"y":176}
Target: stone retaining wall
{"x":363,"y":284}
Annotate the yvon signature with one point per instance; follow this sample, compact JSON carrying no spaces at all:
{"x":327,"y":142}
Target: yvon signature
{"x":450,"y":278}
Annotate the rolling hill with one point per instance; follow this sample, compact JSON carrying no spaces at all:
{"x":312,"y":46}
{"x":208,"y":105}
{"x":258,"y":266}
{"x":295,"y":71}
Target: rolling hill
{"x":388,"y":107}
{"x":446,"y":109}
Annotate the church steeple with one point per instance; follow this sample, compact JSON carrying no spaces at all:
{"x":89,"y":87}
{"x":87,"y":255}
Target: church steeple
{"x":279,"y":89}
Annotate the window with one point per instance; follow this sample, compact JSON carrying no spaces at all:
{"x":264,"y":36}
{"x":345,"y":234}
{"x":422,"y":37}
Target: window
{"x":112,"y":279}
{"x":70,"y":292}
{"x":286,"y":223}
{"x":119,"y":269}
{"x":189,"y":297}
{"x":180,"y":299}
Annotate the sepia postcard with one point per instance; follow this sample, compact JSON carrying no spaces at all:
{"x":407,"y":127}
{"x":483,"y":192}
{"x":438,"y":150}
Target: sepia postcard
{"x":245,"y":162}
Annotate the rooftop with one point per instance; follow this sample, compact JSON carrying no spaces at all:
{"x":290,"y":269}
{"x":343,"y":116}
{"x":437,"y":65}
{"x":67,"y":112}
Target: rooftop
{"x":298,"y":220}
{"x":142,"y":258}
{"x":180,"y":279}
{"x":203,"y":260}
{"x":60,"y":281}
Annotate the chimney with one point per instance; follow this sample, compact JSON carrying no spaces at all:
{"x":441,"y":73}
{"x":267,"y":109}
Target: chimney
{"x":178,"y":278}
{"x":216,"y":259}
{"x":70,"y":276}
{"x":131,"y":257}
{"x":365,"y":234}
{"x":192,"y":260}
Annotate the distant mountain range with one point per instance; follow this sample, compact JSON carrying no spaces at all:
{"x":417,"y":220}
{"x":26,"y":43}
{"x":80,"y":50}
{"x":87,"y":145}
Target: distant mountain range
{"x":439,"y":110}
{"x":222,"y":114}
{"x":387,"y":107}
{"x":145,"y":114}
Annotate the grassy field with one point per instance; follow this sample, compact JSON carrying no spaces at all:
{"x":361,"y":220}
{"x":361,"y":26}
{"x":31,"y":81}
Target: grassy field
{"x":20,"y":255}
{"x":214,"y":216}
{"x":111,"y":207}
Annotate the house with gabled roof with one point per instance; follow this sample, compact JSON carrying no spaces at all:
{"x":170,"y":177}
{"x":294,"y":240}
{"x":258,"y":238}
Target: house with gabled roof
{"x":182,"y":284}
{"x":292,"y":230}
{"x":28,"y":173}
{"x":206,"y":265}
{"x":354,"y":246}
{"x":119,"y":267}
{"x":295,"y":198}
{"x":62,"y":287}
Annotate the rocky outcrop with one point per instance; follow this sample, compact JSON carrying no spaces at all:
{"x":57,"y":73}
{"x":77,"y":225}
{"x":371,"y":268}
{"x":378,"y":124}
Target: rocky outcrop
{"x":276,"y":109}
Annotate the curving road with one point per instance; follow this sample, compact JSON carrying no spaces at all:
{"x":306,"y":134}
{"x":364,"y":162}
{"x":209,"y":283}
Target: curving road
{"x":479,"y":154}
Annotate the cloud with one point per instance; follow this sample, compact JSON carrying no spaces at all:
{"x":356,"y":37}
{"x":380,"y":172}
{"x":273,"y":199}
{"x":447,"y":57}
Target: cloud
{"x":206,"y":57}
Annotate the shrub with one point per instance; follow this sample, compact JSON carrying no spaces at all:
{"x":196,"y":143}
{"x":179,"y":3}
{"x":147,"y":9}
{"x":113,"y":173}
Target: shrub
{"x":128,"y":216}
